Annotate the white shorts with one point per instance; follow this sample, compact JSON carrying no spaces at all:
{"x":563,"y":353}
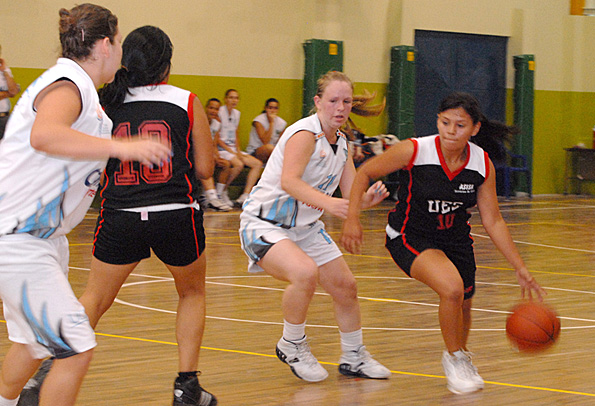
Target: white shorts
{"x":40,"y":307}
{"x":258,"y":236}
{"x":227,"y":155}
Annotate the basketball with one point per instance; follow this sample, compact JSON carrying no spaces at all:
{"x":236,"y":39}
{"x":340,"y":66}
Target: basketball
{"x":532,"y":327}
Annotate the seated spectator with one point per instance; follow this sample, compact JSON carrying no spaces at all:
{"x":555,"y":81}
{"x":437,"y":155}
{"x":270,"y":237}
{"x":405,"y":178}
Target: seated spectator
{"x":266,"y":129}
{"x":228,"y":144}
{"x":8,"y":89}
{"x":209,"y":194}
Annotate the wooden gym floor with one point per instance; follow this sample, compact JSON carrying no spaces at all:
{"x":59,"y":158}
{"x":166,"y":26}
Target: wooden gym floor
{"x":136,"y":358}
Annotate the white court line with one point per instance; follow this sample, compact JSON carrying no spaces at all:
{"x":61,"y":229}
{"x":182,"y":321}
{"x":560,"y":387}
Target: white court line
{"x":163,"y":279}
{"x":541,"y":245}
{"x":505,"y":209}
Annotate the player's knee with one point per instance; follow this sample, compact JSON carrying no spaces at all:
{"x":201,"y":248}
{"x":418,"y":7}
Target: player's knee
{"x":344,"y":290}
{"x":452,"y":292}
{"x":307,"y":277}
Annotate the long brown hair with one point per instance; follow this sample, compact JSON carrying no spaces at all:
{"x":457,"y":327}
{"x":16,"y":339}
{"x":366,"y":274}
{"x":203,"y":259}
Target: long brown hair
{"x":82,"y":26}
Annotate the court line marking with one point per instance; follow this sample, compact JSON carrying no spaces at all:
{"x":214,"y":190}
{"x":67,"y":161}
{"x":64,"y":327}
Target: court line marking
{"x":510,"y":385}
{"x":541,"y":245}
{"x":373,"y":299}
{"x":210,"y":241}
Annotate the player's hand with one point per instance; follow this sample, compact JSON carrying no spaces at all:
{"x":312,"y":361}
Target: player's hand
{"x":358,"y":155}
{"x":2,"y":65}
{"x":147,"y":152}
{"x":529,"y":284}
{"x":374,"y":195}
{"x":352,"y":235}
{"x":337,"y":207}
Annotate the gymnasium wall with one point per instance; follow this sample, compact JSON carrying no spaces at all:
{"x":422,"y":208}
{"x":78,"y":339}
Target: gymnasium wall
{"x":255,"y":46}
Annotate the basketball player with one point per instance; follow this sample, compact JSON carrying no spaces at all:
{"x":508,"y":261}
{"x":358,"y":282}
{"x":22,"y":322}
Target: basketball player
{"x":52,"y":155}
{"x":281,"y":231}
{"x":144,"y":208}
{"x":428,"y":234}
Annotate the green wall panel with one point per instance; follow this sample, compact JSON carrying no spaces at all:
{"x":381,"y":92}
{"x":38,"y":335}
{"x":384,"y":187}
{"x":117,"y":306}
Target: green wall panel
{"x":562,"y":119}
{"x":320,"y":56}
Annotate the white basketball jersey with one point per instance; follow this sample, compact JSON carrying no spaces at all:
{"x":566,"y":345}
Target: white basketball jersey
{"x":215,"y":127}
{"x":270,"y":202}
{"x":43,"y":195}
{"x":254,"y":141}
{"x":229,"y":125}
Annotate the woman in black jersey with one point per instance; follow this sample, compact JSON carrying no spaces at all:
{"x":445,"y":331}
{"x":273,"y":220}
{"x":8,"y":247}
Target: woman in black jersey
{"x":146,"y":208}
{"x":428,"y":234}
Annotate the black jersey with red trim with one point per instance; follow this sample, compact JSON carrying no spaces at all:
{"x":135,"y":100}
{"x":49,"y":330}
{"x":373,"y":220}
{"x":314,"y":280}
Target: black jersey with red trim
{"x":433,"y":202}
{"x":156,"y":111}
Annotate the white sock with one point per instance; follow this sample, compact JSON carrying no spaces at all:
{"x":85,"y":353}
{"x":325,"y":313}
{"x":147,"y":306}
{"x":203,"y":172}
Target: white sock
{"x":8,"y":402}
{"x":293,"y":332}
{"x":211,"y":194}
{"x":220,"y":188}
{"x":351,"y":341}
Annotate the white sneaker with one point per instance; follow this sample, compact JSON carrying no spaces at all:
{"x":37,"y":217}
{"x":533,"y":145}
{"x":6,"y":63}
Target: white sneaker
{"x":475,"y":374}
{"x":218,"y":204}
{"x":360,"y":363}
{"x":240,"y":200}
{"x":298,"y":356}
{"x":224,"y":197}
{"x":460,"y":377}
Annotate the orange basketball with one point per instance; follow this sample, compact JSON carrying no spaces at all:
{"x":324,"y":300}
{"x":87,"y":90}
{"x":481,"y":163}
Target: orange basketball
{"x":532,"y":326}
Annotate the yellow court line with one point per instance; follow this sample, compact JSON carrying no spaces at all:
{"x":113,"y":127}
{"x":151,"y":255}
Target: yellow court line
{"x":335,"y":364}
{"x":511,"y":385}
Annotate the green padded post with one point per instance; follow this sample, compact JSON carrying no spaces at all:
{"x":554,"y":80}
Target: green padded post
{"x":321,"y":56}
{"x":401,"y":92}
{"x":524,"y":90}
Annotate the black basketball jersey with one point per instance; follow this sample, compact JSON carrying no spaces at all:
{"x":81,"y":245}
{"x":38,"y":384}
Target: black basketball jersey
{"x":432,"y":200}
{"x":156,"y":111}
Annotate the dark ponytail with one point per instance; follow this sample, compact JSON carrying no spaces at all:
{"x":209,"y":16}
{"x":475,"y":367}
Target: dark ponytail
{"x":146,"y":60}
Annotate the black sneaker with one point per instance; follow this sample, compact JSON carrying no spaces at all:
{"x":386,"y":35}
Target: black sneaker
{"x":190,"y":393}
{"x":30,"y":393}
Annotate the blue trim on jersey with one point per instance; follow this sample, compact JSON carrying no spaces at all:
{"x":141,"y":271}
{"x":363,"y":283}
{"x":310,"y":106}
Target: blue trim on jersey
{"x":47,"y":219}
{"x":44,"y":334}
{"x":280,"y":216}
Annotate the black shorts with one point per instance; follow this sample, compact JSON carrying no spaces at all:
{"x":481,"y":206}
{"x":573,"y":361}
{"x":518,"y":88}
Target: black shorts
{"x":177,"y":237}
{"x":462,"y":256}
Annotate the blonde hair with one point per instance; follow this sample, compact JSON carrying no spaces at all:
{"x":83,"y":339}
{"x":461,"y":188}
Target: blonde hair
{"x":323,"y":82}
{"x":362,"y":108}
{"x":329,"y":77}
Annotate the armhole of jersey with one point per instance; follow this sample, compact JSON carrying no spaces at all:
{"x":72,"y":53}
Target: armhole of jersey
{"x":58,"y":80}
{"x":316,"y":136}
{"x":415,"y":150}
{"x":191,"y":109}
{"x":487,"y":163}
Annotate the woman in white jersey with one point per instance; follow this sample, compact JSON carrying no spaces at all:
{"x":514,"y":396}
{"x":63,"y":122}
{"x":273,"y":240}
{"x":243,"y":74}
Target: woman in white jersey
{"x":54,"y":150}
{"x":428,"y":234}
{"x":281,"y":231}
{"x":266,"y":129}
